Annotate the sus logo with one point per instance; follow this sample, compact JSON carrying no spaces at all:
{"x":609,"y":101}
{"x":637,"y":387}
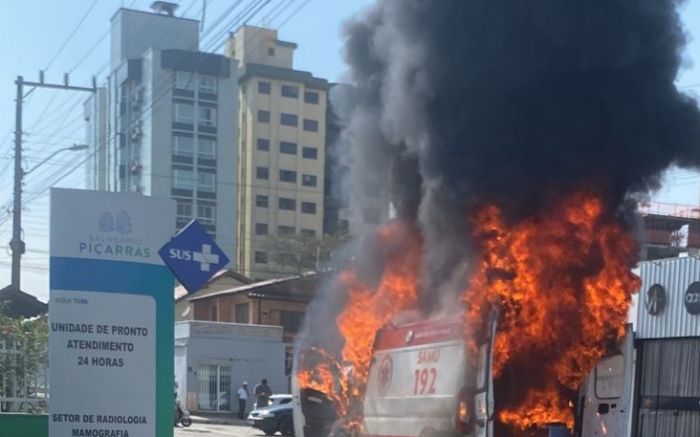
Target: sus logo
{"x":386,"y":368}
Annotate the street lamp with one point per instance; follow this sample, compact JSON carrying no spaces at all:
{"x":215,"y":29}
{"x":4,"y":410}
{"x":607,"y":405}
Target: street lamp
{"x":16,"y":244}
{"x":73,"y":148}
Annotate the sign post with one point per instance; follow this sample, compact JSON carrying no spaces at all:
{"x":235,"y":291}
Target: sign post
{"x":111,"y":315}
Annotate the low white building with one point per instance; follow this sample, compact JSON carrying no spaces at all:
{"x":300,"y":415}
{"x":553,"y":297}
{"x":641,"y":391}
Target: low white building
{"x":212,"y":359}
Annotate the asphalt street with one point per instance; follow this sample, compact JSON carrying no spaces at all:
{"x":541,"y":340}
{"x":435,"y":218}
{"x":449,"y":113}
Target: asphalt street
{"x":211,"y":430}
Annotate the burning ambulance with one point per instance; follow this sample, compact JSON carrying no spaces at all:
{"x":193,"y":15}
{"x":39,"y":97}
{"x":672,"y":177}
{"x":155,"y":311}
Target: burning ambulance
{"x":422,"y":383}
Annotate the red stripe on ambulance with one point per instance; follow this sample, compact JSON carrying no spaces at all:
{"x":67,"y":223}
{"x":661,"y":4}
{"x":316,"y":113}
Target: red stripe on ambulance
{"x":419,"y":334}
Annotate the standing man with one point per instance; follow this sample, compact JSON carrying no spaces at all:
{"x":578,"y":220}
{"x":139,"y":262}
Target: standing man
{"x":242,"y":399}
{"x":262,"y":394}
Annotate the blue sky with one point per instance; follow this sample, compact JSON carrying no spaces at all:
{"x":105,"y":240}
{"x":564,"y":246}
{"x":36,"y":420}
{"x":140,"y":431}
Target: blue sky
{"x":35,"y":31}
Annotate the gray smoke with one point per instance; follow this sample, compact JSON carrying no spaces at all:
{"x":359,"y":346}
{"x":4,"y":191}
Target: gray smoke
{"x":517,"y":103}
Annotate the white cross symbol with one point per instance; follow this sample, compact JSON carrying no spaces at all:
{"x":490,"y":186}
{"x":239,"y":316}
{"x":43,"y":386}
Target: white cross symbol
{"x":205,"y":258}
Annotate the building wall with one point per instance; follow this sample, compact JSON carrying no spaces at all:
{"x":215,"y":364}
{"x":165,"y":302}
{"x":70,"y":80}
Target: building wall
{"x":274,"y":161}
{"x":134,"y":32}
{"x":149,"y":51}
{"x":95,"y":115}
{"x":184,"y":310}
{"x":260,"y":311}
{"x":250,"y":352}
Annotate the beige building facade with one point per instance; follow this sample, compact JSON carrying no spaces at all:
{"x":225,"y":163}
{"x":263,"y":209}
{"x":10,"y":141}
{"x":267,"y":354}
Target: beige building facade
{"x":281,"y":149}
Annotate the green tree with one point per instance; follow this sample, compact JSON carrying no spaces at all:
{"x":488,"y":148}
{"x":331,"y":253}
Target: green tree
{"x":23,"y":358}
{"x":298,"y":254}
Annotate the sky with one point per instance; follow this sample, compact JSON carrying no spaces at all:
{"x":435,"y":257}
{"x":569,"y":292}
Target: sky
{"x":72,"y":36}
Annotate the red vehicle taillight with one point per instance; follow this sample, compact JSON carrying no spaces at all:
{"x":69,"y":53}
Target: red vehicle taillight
{"x":465,"y":412}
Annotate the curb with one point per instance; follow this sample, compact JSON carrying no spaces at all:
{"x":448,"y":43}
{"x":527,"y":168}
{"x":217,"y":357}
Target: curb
{"x":218,"y":421}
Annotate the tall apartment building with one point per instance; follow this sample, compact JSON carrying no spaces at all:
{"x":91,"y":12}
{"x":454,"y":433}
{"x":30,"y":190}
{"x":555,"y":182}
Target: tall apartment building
{"x":281,"y":147}
{"x":165,"y":125}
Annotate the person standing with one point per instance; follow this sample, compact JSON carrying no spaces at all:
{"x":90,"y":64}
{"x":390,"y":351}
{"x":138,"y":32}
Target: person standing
{"x":242,"y":399}
{"x":262,"y":394}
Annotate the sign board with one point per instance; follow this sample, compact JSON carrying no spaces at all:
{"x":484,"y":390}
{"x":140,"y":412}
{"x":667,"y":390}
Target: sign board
{"x":110,"y":315}
{"x":193,"y":256}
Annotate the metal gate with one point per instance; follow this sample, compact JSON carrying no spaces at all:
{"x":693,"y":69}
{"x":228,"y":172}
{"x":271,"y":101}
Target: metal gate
{"x":214,"y":388}
{"x":669,"y":388}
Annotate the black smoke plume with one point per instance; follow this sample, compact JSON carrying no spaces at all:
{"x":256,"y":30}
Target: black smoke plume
{"x":517,"y":103}
{"x":514,"y":102}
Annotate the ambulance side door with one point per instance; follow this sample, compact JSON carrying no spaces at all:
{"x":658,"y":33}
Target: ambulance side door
{"x":483,"y":399}
{"x":607,"y":406}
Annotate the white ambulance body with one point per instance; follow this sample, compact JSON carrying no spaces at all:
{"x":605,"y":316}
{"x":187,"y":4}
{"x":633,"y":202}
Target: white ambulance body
{"x":606,"y":399}
{"x":421,"y":384}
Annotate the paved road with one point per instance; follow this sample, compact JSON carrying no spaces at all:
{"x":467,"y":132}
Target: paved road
{"x":202,"y":430}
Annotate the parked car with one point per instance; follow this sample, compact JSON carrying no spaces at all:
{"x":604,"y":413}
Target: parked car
{"x":273,"y":418}
{"x":276,"y":400}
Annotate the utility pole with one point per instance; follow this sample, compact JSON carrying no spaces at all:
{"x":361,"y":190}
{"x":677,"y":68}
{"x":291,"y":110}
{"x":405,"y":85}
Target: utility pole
{"x":17,"y":244}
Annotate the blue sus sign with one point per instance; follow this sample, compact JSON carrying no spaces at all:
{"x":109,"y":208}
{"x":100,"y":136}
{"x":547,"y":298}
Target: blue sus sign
{"x":193,"y":256}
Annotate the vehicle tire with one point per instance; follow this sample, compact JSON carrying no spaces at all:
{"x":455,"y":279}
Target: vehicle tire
{"x":269,"y":431}
{"x":286,"y":426}
{"x":186,"y":422}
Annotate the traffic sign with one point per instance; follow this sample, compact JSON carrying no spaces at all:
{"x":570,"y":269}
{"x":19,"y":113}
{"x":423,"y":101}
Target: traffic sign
{"x":193,"y":256}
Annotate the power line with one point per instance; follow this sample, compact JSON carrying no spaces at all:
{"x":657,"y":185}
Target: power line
{"x":260,"y":5}
{"x":72,"y":34}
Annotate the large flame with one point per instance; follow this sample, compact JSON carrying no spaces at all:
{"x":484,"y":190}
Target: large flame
{"x":369,"y":307}
{"x":560,"y":280}
{"x":563,"y":284}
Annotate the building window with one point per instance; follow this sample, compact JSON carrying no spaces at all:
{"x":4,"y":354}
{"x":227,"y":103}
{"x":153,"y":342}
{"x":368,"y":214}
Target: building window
{"x":207,"y":116}
{"x":309,"y":153}
{"x":264,"y":87}
{"x":206,"y":213}
{"x":206,"y":182}
{"x":287,"y":204}
{"x":184,"y":80}
{"x":182,"y":146}
{"x":308,"y":233}
{"x":261,"y":229}
{"x":308,"y":180}
{"x":263,"y":144}
{"x":184,"y":113}
{"x":288,"y":176}
{"x":260,"y":257}
{"x":262,"y":173}
{"x":308,"y":207}
{"x":288,"y":148}
{"x":263,"y":116}
{"x":184,"y":209}
{"x":285,"y":231}
{"x":207,"y":148}
{"x":207,"y":84}
{"x":242,"y":312}
{"x":289,"y":119}
{"x":271,"y":51}
{"x":290,"y":91}
{"x":311,"y":97}
{"x":183,"y":179}
{"x":261,"y":201}
{"x":291,"y":320}
{"x":370,"y":215}
{"x":310,"y":125}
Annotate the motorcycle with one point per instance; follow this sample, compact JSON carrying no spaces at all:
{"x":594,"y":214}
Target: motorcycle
{"x":182,"y":416}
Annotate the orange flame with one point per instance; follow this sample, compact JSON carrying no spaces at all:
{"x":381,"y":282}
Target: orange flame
{"x":561,"y":281}
{"x":328,"y":378}
{"x":367,"y":310}
{"x":563,"y":284}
